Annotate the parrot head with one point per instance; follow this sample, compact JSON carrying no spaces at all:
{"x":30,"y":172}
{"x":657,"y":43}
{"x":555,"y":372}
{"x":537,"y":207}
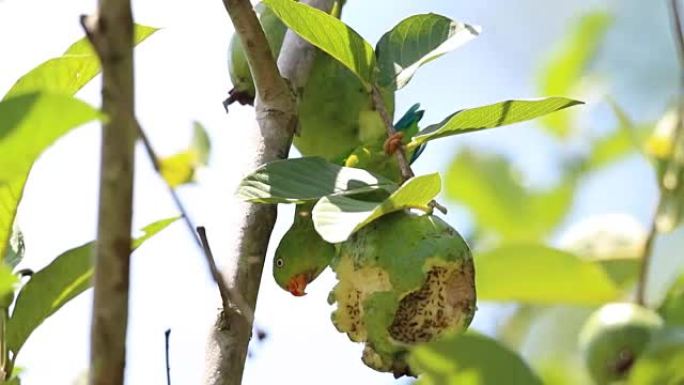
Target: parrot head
{"x":301,"y":256}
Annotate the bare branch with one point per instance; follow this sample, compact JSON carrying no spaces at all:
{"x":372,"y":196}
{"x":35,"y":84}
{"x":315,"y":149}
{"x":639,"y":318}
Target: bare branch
{"x":230,"y":297}
{"x":111,"y":34}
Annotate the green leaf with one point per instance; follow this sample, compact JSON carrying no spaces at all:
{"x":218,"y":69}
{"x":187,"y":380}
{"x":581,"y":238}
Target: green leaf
{"x":563,"y":73}
{"x":65,"y":75}
{"x":662,"y":363}
{"x":338,"y":217}
{"x":330,"y":35}
{"x":672,"y":308}
{"x":29,"y":124}
{"x":500,"y":204}
{"x":305,"y":179}
{"x":491,"y":116}
{"x":70,"y":72}
{"x":7,"y":282}
{"x":536,"y":274}
{"x":10,"y":194}
{"x":415,"y":41}
{"x":470,"y":359}
{"x":49,"y":289}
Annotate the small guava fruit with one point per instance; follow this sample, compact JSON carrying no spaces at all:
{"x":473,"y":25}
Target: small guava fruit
{"x":404,"y":279}
{"x":613,"y":337}
{"x":240,"y":75}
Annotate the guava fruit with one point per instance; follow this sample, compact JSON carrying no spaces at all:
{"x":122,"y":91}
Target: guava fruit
{"x":240,"y":75}
{"x":613,"y":338}
{"x":404,"y":279}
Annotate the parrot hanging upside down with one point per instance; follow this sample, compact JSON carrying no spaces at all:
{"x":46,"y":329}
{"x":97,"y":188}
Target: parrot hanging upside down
{"x":302,"y":254}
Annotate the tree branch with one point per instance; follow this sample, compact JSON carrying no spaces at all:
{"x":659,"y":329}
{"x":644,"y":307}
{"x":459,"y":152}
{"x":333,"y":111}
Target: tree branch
{"x":276,"y":117}
{"x":111,"y":34}
{"x":647,"y":252}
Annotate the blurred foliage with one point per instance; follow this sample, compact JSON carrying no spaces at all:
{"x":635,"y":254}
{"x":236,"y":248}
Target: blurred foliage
{"x":672,"y":308}
{"x":538,"y":274}
{"x":554,"y":291}
{"x":470,"y":359}
{"x":180,"y":168}
{"x":565,"y":71}
{"x":501,"y":206}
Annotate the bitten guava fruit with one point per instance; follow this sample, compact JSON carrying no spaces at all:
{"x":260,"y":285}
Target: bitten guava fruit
{"x":613,"y":338}
{"x":404,"y":279}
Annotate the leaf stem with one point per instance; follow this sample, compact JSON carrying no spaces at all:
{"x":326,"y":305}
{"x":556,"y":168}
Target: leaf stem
{"x":404,"y":165}
{"x":647,"y":252}
{"x":379,"y":105}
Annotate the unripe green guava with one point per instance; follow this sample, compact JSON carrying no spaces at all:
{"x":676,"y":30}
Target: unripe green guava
{"x":404,"y":279}
{"x":613,"y":337}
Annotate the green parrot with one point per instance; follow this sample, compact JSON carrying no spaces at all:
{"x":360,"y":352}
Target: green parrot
{"x":336,"y":113}
{"x":377,"y":157}
{"x":243,"y":85}
{"x":302,"y":254}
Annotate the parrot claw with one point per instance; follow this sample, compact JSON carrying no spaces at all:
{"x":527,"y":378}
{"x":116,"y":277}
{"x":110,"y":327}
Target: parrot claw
{"x":393,"y":143}
{"x":241,"y":97}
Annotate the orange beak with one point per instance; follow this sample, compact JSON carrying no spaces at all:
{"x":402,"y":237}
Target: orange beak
{"x":297,"y":285}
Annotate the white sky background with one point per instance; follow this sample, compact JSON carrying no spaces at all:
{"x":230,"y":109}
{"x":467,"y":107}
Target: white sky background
{"x":181,"y":76}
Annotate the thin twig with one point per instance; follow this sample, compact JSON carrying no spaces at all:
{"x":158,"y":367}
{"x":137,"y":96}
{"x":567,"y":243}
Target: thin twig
{"x":174,"y":195}
{"x":235,"y":298}
{"x":167,"y":335}
{"x":647,"y":252}
{"x":645,"y":258}
{"x":404,"y":165}
{"x":230,"y":298}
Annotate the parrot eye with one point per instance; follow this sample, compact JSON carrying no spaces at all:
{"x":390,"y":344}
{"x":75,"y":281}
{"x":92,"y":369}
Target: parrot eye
{"x":279,"y":262}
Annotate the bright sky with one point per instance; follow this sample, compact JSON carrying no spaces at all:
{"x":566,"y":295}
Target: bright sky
{"x":181,"y":76}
